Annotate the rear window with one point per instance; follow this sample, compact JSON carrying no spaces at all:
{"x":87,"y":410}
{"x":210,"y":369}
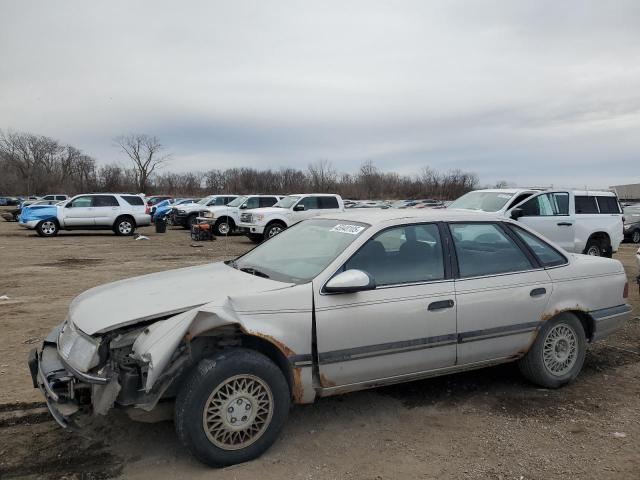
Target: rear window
{"x":133,"y":200}
{"x":328,"y":202}
{"x":586,"y":204}
{"x":608,"y":205}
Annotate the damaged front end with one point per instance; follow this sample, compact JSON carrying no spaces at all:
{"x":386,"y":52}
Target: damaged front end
{"x":81,"y":375}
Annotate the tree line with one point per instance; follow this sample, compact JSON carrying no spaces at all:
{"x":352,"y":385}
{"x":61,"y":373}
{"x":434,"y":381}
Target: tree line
{"x":35,"y":165}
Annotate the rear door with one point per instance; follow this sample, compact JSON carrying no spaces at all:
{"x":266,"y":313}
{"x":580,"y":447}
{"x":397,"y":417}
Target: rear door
{"x":501,"y":292}
{"x":329,"y":204}
{"x":106,"y":209}
{"x":79,"y":212}
{"x":551,"y":214}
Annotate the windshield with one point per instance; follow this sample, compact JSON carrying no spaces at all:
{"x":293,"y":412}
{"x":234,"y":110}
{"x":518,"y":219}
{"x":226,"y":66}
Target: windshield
{"x":301,"y":252}
{"x":205,"y":200}
{"x":485,"y":201}
{"x":287,"y":202}
{"x":237,"y":202}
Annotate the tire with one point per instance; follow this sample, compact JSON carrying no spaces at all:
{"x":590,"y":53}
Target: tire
{"x":223,"y":227}
{"x":273,"y":229}
{"x":48,"y":228}
{"x":552,"y":362}
{"x":124,"y":226}
{"x":16,"y":217}
{"x":255,"y":238}
{"x":635,"y":236}
{"x":220,"y":378}
{"x":594,"y":248}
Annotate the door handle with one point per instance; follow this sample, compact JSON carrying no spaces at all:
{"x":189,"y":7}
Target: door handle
{"x":441,"y":305}
{"x":565,"y":224}
{"x":536,"y":292}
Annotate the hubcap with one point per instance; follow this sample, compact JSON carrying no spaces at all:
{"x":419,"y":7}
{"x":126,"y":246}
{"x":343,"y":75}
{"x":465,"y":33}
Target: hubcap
{"x":275,"y":230}
{"x":594,"y":251}
{"x":560,"y":349}
{"x":49,"y":228}
{"x":636,"y":237}
{"x":238,"y":412}
{"x":223,"y":228}
{"x":124,"y":227}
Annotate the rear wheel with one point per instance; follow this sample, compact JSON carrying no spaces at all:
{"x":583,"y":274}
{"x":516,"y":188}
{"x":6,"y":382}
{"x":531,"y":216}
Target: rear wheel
{"x":594,"y":248}
{"x":557,"y":355}
{"x":635,"y":236}
{"x":124,"y":226}
{"x":232,"y":407}
{"x":47,"y":228}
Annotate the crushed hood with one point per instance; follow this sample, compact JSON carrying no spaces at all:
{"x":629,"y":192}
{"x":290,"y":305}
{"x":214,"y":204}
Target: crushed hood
{"x":136,"y":299}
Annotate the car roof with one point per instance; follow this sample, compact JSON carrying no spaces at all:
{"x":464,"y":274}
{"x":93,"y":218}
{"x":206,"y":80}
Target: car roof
{"x":314,"y":194}
{"x":375,"y":217}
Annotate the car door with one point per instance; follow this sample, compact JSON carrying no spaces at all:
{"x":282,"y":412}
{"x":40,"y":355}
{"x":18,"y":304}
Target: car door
{"x":550,"y":215}
{"x":501,"y":292}
{"x":311,"y":206}
{"x":405,"y":326}
{"x":106,"y":208}
{"x":79,"y":212}
{"x":329,"y":204}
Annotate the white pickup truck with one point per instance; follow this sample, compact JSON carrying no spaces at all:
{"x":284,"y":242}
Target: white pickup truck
{"x":580,"y":221}
{"x":225,"y":218}
{"x":263,"y":223}
{"x":187,"y":214}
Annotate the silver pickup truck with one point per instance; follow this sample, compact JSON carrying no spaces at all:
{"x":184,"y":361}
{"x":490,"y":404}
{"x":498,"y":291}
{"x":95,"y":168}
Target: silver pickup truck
{"x":334,"y":304}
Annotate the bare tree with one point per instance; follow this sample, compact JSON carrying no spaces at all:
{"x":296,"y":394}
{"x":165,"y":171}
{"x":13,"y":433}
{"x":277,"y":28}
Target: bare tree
{"x":322,"y":176}
{"x":145,"y":152}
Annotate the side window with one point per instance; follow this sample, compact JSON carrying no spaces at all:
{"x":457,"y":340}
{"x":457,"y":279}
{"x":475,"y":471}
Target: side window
{"x":49,"y":197}
{"x":546,"y":254}
{"x":546,"y":205}
{"x":61,"y":197}
{"x":268,"y":201}
{"x":133,"y":199}
{"x":310,"y":203}
{"x":608,"y":205}
{"x":406,"y":254}
{"x":81,"y":202}
{"x":253,"y":202}
{"x":518,"y":199}
{"x":586,"y":204}
{"x":328,"y":202}
{"x":105,"y":201}
{"x":485,"y":249}
{"x":226,"y":200}
{"x":216,"y":201}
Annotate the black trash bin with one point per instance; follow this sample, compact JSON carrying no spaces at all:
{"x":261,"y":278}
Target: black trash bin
{"x":161,"y":225}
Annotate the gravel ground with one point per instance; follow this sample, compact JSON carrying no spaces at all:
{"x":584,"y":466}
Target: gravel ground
{"x":483,"y":424}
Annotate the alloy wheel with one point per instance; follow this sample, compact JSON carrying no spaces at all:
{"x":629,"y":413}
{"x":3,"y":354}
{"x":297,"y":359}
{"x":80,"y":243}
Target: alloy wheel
{"x":238,"y":412}
{"x":125,"y":227}
{"x":48,"y":227}
{"x":560,"y":350}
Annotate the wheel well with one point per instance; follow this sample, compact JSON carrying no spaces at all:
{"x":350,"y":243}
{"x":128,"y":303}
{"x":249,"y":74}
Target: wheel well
{"x":52,"y":219}
{"x":587,"y":322}
{"x":272,"y":222}
{"x":601,"y":237}
{"x":228,"y":219}
{"x":120,"y":217}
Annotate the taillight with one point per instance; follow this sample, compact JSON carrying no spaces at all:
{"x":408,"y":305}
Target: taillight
{"x":625,"y":292}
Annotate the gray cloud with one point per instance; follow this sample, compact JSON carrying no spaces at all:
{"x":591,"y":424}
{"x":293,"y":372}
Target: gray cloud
{"x":534,"y":92}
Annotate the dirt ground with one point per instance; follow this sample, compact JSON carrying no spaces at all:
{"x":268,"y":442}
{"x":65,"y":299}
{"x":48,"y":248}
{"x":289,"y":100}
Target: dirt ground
{"x":477,"y":425}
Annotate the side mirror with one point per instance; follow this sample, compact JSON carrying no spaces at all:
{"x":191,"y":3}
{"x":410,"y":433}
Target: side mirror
{"x":299,"y":208}
{"x":350,"y":281}
{"x":516,"y":213}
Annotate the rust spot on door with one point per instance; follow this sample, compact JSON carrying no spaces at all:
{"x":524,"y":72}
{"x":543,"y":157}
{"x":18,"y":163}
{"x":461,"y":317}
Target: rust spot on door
{"x":326,"y":382}
{"x":297,"y":389}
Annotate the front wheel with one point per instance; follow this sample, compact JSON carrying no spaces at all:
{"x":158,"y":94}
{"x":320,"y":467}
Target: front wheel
{"x":635,"y":236}
{"x":231,"y":408}
{"x":47,"y":228}
{"x":222,"y":227}
{"x":557,"y":355}
{"x":273,"y":230}
{"x":594,"y":248}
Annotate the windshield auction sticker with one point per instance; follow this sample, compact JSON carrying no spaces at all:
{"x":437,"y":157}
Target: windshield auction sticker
{"x":350,"y":229}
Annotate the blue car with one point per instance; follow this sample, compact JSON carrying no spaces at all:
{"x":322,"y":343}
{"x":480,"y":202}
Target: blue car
{"x":163,"y":208}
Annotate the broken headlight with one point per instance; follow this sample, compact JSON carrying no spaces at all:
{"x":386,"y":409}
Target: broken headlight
{"x":78,"y":350}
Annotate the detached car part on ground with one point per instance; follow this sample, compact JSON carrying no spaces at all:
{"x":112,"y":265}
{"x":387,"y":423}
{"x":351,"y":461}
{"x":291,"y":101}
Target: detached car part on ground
{"x":332,"y":305}
{"x":120,"y":213}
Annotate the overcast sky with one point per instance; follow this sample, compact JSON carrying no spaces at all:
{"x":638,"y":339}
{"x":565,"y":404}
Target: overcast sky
{"x":537,"y":93}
